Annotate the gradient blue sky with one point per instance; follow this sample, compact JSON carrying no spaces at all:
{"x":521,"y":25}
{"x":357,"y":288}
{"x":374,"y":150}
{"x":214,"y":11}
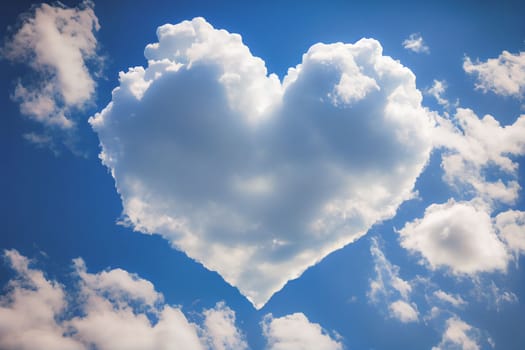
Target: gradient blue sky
{"x":59,"y":202}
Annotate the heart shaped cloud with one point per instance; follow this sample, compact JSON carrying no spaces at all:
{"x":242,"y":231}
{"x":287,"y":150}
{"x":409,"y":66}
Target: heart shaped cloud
{"x":255,"y":178}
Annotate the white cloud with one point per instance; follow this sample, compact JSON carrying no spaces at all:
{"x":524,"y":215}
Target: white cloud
{"x":454,"y":300}
{"x":111,"y":309}
{"x":458,"y":335}
{"x":415,"y":43}
{"x":219,"y":324}
{"x":388,"y":289}
{"x":404,"y":311}
{"x":437,"y":90}
{"x":511,"y":228}
{"x":295,"y":331}
{"x":55,"y":42}
{"x":387,"y":281}
{"x":28,"y":310}
{"x":504,"y":75}
{"x":256,"y":179}
{"x":456,"y":235}
{"x":475,"y":146}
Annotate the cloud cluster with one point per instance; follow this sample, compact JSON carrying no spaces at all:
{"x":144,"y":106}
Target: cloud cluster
{"x":478,"y":160}
{"x":416,"y":44}
{"x":255,"y":178}
{"x":504,"y":75}
{"x":295,"y":331}
{"x":56,"y":43}
{"x":114,"y":310}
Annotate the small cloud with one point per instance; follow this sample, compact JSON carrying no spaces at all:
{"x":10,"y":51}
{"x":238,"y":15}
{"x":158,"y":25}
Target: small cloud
{"x":295,"y":331}
{"x":416,"y":44}
{"x":474,"y":146}
{"x":219,"y":326}
{"x":504,"y":75}
{"x":511,"y":229}
{"x":387,"y":288}
{"x":458,"y":236}
{"x":437,"y":90}
{"x":454,"y":300}
{"x":58,"y":44}
{"x":458,"y":335}
{"x":404,"y":311}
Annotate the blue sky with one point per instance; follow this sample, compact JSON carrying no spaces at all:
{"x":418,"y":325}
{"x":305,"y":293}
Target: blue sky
{"x":362,"y":199}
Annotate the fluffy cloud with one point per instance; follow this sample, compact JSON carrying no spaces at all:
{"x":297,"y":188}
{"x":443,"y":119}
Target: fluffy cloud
{"x":255,"y":178}
{"x":458,"y":335}
{"x":297,"y":332}
{"x":456,"y":235}
{"x":404,"y":311}
{"x":415,"y":43}
{"x":55,"y":42}
{"x":109,"y":310}
{"x":388,"y":289}
{"x":475,"y":147}
{"x":28,"y":311}
{"x":504,"y":75}
{"x":219,"y":325}
{"x":511,"y":227}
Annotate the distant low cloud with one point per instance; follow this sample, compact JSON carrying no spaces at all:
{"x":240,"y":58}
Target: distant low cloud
{"x":416,"y":44}
{"x":256,"y":178}
{"x":504,"y":75}
{"x":56,"y":43}
{"x":297,"y":332}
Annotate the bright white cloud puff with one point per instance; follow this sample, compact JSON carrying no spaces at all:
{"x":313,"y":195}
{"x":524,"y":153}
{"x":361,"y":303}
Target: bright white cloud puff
{"x":457,"y":235}
{"x":297,"y":332}
{"x":255,"y":178}
{"x":55,"y":42}
{"x":504,"y":75}
{"x":416,"y":44}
